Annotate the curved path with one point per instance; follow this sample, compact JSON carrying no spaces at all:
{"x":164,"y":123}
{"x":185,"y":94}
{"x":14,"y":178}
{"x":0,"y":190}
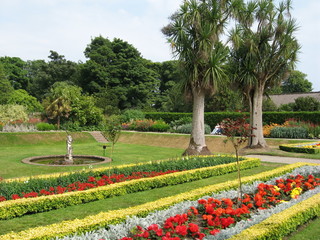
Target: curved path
{"x":288,"y":160}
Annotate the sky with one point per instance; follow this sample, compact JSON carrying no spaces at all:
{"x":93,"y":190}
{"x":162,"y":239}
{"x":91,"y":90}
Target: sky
{"x":29,"y":29}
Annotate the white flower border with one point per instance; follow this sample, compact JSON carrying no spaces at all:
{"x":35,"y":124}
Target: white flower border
{"x":158,"y":217}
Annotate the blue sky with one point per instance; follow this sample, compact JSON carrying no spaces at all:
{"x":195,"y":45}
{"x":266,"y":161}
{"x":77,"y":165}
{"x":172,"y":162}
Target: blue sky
{"x":29,"y":29}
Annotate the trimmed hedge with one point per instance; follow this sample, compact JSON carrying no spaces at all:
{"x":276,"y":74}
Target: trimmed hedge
{"x":295,"y":148}
{"x":283,"y":223}
{"x":212,"y":118}
{"x":104,"y":219}
{"x":15,"y":208}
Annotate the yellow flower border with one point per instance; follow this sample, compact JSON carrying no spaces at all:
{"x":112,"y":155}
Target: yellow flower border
{"x":111,"y":217}
{"x":294,"y":147}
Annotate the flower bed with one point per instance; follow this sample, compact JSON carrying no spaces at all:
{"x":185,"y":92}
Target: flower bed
{"x":113,"y":217}
{"x":91,"y":183}
{"x":14,"y":208}
{"x":52,"y":184}
{"x":211,"y":215}
{"x":312,"y":147}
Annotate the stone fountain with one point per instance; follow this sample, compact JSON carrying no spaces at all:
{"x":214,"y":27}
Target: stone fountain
{"x":68,"y":159}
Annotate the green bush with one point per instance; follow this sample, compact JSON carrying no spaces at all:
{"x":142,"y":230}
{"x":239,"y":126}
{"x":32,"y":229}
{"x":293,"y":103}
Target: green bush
{"x":132,"y":114}
{"x":187,"y":128}
{"x":289,"y":132}
{"x":159,"y":126}
{"x":45,"y":126}
{"x":176,"y":123}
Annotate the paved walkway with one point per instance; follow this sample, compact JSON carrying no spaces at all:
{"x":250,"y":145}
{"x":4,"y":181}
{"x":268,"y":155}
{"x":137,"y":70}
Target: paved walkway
{"x":288,"y":160}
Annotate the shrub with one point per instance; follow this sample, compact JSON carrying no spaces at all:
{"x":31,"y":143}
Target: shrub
{"x":187,"y":128}
{"x":132,"y":114}
{"x":159,"y":126}
{"x":176,"y":123}
{"x":289,"y":132}
{"x":45,"y":126}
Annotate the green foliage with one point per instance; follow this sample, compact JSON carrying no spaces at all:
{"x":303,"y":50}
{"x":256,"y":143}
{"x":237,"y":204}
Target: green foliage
{"x":187,"y":128}
{"x":116,"y":69}
{"x":306,"y":104}
{"x":159,"y":126}
{"x":176,"y":123}
{"x":132,"y":114}
{"x":296,"y":83}
{"x":112,"y":129}
{"x":30,"y":206}
{"x":45,"y":126}
{"x":268,"y":105}
{"x":15,"y":72}
{"x":21,"y":97}
{"x":289,"y":132}
{"x":6,"y":88}
{"x":10,"y":113}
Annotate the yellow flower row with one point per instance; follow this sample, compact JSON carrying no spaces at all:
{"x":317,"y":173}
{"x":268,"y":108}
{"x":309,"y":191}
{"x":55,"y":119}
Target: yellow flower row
{"x":283,"y":223}
{"x":111,"y":217}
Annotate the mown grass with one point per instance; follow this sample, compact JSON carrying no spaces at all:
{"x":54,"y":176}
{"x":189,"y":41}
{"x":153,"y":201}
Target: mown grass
{"x":81,"y":211}
{"x":309,"y":231}
{"x":12,"y":154}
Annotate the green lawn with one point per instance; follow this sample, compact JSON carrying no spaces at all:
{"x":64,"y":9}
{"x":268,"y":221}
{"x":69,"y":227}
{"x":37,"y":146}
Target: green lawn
{"x":12,"y":154}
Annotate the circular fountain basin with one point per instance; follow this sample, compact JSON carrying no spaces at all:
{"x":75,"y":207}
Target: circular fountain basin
{"x":59,"y":160}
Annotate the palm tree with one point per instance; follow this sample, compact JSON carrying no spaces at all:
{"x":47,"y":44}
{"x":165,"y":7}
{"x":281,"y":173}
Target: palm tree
{"x":194,"y":33}
{"x":264,"y":50}
{"x":57,"y":108}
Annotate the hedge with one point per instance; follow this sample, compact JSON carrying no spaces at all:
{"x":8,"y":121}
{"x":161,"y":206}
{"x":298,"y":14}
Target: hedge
{"x":212,"y":118}
{"x":104,"y":219}
{"x":16,"y":208}
{"x":283,"y":223}
{"x":295,"y":148}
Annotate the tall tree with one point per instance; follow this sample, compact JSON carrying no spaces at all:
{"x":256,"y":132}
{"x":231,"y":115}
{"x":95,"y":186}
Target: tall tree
{"x":264,"y":51}
{"x":6,"y":88}
{"x":15,"y":71}
{"x":297,"y":82}
{"x":58,"y":102}
{"x":194,"y":33}
{"x":117,"y":69}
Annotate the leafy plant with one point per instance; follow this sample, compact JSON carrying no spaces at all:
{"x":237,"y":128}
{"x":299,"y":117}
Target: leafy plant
{"x":132,"y":114}
{"x":113,"y":130}
{"x":45,"y":126}
{"x":237,"y":131}
{"x":187,"y":128}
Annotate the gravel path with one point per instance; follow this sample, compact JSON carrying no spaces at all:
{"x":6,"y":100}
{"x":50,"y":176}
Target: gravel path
{"x":277,"y":159}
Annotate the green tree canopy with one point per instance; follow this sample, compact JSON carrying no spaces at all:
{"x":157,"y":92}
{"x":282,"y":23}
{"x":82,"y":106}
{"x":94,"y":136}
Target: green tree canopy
{"x":297,"y":82}
{"x":264,"y":51}
{"x":21,"y":97}
{"x":15,"y":72}
{"x":117,"y":69}
{"x":5,"y":87}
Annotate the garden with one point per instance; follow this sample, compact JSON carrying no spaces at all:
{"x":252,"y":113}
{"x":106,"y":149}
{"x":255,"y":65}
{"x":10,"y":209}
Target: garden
{"x":149,"y":191}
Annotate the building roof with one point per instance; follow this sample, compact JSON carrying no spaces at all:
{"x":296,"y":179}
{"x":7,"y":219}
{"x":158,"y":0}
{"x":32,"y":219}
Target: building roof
{"x":280,"y":99}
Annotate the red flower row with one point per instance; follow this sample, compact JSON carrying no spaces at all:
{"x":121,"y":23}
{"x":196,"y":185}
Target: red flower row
{"x":92,"y":183}
{"x":212,"y":215}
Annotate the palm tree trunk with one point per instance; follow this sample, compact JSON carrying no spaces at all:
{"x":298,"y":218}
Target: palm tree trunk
{"x":197,"y":145}
{"x":257,"y":140}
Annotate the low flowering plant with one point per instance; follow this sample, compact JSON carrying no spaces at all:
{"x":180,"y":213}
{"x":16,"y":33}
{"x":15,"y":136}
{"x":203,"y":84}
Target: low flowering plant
{"x":92,"y":182}
{"x":212,"y":215}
